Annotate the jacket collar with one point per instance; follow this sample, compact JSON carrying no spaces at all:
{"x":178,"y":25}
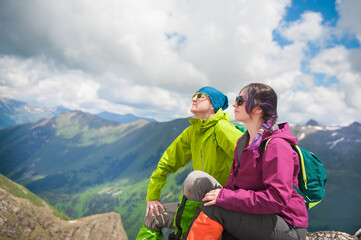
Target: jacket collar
{"x":281,"y":130}
{"x":210,"y":122}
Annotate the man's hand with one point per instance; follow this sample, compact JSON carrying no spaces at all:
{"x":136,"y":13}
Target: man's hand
{"x":151,"y":205}
{"x":211,"y":197}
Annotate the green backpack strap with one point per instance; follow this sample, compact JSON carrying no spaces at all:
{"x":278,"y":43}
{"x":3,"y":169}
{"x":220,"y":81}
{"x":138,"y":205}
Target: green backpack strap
{"x":177,"y":219}
{"x":265,"y":145}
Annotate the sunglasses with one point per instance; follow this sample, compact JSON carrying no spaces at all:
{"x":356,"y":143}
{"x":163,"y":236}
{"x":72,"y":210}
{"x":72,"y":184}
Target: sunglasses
{"x":240,"y":100}
{"x":199,"y":95}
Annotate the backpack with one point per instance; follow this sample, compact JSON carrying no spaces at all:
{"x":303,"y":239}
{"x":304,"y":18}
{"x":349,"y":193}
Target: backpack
{"x":183,"y":217}
{"x":311,"y":178}
{"x":240,"y":127}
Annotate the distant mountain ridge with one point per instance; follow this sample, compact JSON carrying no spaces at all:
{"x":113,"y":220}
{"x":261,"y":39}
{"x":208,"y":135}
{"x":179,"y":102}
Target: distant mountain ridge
{"x":85,"y":165}
{"x":13,"y":112}
{"x":125,"y":118}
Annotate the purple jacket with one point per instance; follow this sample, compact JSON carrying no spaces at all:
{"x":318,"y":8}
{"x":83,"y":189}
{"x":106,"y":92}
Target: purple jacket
{"x":263,"y":183}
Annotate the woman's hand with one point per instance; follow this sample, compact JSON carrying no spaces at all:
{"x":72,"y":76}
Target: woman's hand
{"x":151,"y":205}
{"x":211,"y":197}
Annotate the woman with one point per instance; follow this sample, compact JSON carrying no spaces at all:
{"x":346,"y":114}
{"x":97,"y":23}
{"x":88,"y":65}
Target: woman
{"x":209,"y":142}
{"x":258,"y":201}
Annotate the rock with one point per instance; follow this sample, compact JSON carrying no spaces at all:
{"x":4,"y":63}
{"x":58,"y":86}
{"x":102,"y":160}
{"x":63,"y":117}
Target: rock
{"x":358,"y":234}
{"x":330,"y":235}
{"x":20,"y":219}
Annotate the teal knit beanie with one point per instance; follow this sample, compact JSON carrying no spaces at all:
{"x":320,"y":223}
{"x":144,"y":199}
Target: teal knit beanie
{"x":218,"y":99}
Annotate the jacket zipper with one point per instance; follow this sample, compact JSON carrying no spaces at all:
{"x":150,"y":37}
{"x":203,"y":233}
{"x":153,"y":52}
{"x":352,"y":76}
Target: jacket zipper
{"x":202,"y":160}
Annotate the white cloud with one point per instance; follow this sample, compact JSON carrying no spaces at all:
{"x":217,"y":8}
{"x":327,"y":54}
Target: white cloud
{"x":331,"y":61}
{"x":307,"y":29}
{"x":350,"y":17}
{"x":231,"y":42}
{"x":325,"y":105}
{"x":337,"y":62}
{"x":148,"y":57}
{"x":33,"y":81}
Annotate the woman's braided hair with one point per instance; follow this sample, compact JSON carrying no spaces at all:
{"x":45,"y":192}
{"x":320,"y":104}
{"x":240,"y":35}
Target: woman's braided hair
{"x":262,"y":95}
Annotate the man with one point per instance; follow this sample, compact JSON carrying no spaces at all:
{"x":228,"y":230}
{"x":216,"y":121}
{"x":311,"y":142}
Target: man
{"x":209,"y":142}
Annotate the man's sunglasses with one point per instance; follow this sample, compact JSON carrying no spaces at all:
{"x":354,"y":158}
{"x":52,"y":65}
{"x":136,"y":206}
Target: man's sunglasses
{"x":199,"y":95}
{"x":240,"y":100}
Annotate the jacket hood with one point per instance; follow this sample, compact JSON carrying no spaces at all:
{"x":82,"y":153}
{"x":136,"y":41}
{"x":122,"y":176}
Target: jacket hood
{"x":282,"y":131}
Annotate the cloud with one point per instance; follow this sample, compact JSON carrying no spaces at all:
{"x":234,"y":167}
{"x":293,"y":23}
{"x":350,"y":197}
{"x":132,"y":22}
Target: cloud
{"x":148,"y":57}
{"x":337,"y":62}
{"x":349,"y":11}
{"x":231,"y":42}
{"x":324,"y":104}
{"x":331,"y":61}
{"x":307,"y":29}
{"x":35,"y":81}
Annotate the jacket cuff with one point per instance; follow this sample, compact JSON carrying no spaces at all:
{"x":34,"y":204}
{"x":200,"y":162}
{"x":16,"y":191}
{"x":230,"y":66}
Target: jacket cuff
{"x":219,"y":200}
{"x":152,"y":197}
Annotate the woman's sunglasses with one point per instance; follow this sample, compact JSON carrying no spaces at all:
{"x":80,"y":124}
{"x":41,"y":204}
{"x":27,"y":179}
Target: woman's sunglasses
{"x":240,"y":100}
{"x":199,"y":95}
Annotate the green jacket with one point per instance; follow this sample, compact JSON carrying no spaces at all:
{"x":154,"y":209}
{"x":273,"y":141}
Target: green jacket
{"x":209,"y":143}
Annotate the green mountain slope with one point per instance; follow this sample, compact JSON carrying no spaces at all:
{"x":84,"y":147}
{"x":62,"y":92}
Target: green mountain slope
{"x":69,"y":160}
{"x":85,"y":165}
{"x":78,"y":150}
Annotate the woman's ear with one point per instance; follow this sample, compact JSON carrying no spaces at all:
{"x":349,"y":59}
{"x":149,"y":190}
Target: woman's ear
{"x":257,"y":110}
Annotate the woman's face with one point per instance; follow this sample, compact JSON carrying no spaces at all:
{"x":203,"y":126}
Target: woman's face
{"x":201,"y":106}
{"x":240,"y":113}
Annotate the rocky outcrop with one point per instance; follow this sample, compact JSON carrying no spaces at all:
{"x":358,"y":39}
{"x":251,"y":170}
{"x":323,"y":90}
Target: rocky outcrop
{"x":20,"y":219}
{"x":333,"y":235}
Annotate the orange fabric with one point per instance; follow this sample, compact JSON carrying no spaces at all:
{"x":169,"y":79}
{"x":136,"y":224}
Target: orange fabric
{"x":204,"y":228}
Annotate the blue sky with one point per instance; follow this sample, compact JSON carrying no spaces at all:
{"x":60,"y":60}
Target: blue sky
{"x":326,"y":7}
{"x":148,"y":57}
{"x":330,"y":17}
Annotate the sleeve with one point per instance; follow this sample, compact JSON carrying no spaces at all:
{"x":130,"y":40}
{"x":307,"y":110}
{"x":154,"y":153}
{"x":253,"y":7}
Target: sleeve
{"x":177,"y":155}
{"x":277,"y":177}
{"x":229,"y":183}
{"x":227,"y":136}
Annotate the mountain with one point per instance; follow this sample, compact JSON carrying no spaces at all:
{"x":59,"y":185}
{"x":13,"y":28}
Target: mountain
{"x":72,"y":143}
{"x":312,"y":123}
{"x":126,"y":118}
{"x":85,"y":165}
{"x":339,"y":148}
{"x":23,"y":215}
{"x":340,"y":151}
{"x":14,"y":112}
